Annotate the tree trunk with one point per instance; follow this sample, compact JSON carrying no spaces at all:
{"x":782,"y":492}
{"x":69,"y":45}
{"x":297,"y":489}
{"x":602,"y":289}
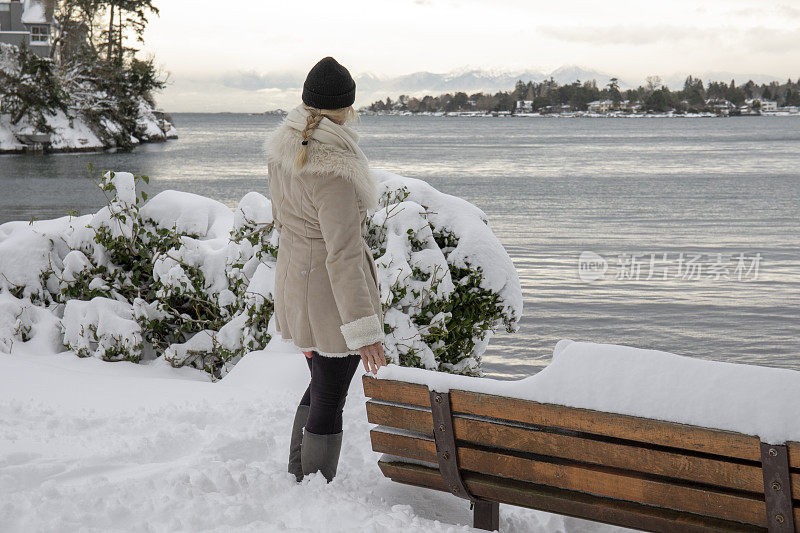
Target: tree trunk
{"x":16,"y":118}
{"x":110,"y":33}
{"x":119,"y":48}
{"x":57,"y":27}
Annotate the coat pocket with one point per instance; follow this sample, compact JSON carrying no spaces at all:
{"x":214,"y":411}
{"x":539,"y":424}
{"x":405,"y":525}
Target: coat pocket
{"x":372,"y":268}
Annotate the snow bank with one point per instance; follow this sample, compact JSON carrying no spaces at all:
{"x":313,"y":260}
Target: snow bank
{"x":650,"y":384}
{"x":149,"y":123}
{"x":8,"y":142}
{"x":72,"y":133}
{"x":149,"y":447}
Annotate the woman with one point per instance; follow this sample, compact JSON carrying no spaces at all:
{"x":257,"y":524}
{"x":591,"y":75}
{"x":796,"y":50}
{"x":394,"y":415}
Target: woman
{"x":326,"y":291}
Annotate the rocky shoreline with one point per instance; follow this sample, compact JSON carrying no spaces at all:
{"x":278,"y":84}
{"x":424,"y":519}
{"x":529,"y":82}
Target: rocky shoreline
{"x":74,"y":135}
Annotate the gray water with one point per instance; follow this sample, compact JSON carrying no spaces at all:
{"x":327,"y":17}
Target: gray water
{"x":552,"y":188}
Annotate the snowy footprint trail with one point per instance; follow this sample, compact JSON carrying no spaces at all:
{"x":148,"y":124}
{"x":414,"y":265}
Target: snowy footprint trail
{"x":87,"y":445}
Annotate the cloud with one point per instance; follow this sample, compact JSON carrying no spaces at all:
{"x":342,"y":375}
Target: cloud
{"x":254,"y":81}
{"x":631,"y":35}
{"x":788,"y":11}
{"x":772,"y":40}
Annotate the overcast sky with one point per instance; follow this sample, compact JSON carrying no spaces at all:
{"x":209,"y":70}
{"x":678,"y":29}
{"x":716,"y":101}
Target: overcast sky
{"x":203,"y":43}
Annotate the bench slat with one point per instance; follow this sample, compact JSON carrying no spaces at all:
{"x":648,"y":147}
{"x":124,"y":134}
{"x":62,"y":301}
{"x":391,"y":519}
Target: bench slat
{"x":662,"y":433}
{"x":793,"y":448}
{"x":731,"y":475}
{"x":587,"y":506}
{"x":595,"y":480}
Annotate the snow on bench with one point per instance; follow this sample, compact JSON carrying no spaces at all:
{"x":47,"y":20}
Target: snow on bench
{"x":627,"y":436}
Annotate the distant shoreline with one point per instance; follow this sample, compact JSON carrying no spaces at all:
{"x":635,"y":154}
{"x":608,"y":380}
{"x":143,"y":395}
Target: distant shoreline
{"x":579,"y":114}
{"x":575,"y":114}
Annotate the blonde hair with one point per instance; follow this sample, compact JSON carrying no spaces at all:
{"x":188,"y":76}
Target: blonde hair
{"x":343,"y":114}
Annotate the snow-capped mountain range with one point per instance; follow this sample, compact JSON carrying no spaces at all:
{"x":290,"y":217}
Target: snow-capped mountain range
{"x":465,"y":79}
{"x":471,"y":80}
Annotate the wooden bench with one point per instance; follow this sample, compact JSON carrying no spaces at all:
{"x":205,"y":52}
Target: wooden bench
{"x":617,"y":469}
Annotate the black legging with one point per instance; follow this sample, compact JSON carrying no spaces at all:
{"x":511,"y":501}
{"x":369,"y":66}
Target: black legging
{"x":327,"y":392}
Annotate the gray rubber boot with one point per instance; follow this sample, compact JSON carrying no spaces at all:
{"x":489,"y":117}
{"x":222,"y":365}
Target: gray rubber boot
{"x":295,"y":461}
{"x":321,"y":453}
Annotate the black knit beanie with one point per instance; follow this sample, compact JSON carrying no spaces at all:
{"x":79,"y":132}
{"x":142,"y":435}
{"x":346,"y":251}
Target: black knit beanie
{"x":329,"y":86}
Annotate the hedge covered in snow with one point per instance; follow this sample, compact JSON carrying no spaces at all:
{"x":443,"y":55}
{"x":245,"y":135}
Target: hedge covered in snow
{"x":186,"y":278}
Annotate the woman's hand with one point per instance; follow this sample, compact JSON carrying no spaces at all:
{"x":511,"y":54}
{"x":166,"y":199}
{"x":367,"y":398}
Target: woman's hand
{"x":372,"y":357}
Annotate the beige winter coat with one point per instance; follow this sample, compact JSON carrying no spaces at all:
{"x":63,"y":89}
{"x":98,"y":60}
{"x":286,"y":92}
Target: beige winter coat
{"x":326,"y":288}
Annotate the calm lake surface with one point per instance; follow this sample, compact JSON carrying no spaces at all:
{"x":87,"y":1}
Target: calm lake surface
{"x":696,"y":220}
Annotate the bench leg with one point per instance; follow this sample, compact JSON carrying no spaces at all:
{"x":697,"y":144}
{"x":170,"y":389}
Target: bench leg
{"x":486,"y":515}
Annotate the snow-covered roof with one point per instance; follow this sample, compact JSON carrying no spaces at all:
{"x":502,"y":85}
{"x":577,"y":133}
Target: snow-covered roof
{"x":34,"y":13}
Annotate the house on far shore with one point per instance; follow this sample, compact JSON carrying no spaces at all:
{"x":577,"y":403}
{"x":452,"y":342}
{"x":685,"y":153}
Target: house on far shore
{"x":26,"y":21}
{"x":720,"y":106}
{"x":769,"y":106}
{"x":629,"y":107}
{"x":764,"y":107}
{"x":601,"y":106}
{"x":524,"y":106}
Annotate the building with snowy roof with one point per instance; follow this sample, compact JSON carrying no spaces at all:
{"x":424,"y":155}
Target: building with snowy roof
{"x":599,"y":106}
{"x":28,"y":22}
{"x":524,"y":106}
{"x":769,"y":106}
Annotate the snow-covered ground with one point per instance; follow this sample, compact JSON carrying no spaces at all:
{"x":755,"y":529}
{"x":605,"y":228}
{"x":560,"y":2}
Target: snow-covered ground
{"x":87,"y":445}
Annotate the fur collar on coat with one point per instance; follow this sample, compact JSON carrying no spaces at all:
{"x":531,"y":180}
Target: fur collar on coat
{"x":283,"y":144}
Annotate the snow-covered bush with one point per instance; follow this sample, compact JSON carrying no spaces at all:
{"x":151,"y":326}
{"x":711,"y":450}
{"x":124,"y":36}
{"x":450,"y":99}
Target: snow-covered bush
{"x":22,"y":322}
{"x":446,"y":280}
{"x":186,"y":278}
{"x":175,"y":261}
{"x":102,"y":328}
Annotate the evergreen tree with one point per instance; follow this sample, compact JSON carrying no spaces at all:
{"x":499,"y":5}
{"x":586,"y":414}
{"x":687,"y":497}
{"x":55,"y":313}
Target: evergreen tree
{"x":519,"y":91}
{"x":459,"y":102}
{"x":30,"y":90}
{"x":792,"y":98}
{"x":658,"y":101}
{"x":613,"y":91}
{"x":125,"y":16}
